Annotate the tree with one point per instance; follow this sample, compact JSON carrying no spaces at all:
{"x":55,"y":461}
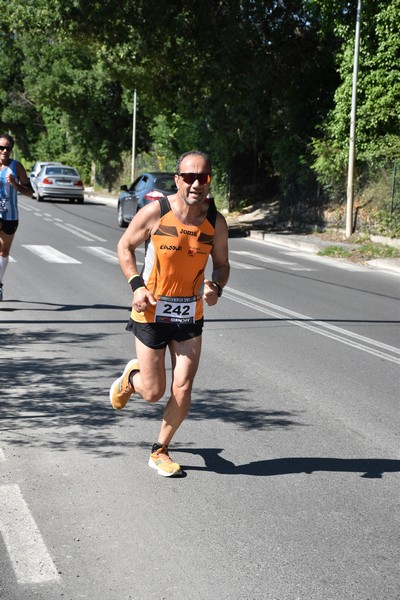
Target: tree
{"x":264,"y":85}
{"x":378,"y":99}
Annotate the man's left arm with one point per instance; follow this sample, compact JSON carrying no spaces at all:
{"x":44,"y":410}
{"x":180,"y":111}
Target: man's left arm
{"x":220,"y":259}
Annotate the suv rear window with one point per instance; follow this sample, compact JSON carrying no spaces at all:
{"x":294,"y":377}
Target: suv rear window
{"x":166,"y":184}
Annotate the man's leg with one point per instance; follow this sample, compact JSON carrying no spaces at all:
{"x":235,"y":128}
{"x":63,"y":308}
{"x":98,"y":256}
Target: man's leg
{"x":5,"y":245}
{"x":144,"y":375}
{"x":6,"y":241}
{"x":185,"y":357}
{"x":150,"y":381}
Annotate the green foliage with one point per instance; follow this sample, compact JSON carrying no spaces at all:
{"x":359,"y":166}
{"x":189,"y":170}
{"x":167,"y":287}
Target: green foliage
{"x":336,"y":251}
{"x":387,"y":224}
{"x":264,"y":87}
{"x":378,"y":98}
{"x":365,"y":251}
{"x":372,"y":250}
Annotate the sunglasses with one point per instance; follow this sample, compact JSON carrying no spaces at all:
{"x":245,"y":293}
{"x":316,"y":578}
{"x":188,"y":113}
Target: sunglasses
{"x":190,"y":178}
{"x":9,"y":148}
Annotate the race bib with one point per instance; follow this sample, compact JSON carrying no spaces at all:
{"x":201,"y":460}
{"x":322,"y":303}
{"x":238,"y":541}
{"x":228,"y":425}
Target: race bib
{"x":4,"y":192}
{"x":175,"y":310}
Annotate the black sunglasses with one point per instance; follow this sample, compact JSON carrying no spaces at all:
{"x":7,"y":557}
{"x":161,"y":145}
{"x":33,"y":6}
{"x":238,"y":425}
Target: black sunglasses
{"x":9,"y":148}
{"x":190,"y":178}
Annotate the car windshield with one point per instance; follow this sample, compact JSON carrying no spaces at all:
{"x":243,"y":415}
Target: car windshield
{"x":62,"y":171}
{"x":165,"y":184}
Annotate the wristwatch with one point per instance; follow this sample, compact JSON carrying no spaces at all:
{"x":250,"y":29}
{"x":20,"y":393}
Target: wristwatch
{"x":219,"y":288}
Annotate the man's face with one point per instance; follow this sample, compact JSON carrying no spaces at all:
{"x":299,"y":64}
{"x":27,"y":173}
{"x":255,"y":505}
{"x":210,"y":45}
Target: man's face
{"x":193,"y":191}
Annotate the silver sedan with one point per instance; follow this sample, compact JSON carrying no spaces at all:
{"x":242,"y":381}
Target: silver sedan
{"x":58,"y":181}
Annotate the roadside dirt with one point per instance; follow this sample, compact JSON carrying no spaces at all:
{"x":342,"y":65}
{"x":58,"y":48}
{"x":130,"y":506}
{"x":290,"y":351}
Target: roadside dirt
{"x":358,"y":248}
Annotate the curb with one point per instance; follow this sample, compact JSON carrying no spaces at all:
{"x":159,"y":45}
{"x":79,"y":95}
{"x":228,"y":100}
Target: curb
{"x":387,"y":264}
{"x":107,"y":199}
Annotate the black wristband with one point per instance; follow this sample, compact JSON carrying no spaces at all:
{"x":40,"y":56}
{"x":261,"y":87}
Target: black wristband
{"x":219,"y":288}
{"x":136,"y":282}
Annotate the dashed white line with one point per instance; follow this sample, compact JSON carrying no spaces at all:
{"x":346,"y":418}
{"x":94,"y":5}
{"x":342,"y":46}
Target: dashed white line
{"x":292,"y":266}
{"x":240,"y":265}
{"x":84,"y":236}
{"x":262,"y":258}
{"x":103,"y":253}
{"x":331,"y":262}
{"x":76,"y":229}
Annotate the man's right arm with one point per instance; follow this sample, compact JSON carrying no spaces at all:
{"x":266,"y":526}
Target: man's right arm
{"x":139,"y":230}
{"x":136,"y":234}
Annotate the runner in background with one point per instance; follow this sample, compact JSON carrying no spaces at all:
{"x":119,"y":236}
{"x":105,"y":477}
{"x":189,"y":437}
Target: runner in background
{"x":13,"y":179}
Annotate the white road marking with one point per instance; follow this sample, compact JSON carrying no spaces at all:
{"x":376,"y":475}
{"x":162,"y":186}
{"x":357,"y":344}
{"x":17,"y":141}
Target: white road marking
{"x":84,"y":236}
{"x":331,"y":262}
{"x":2,"y":456}
{"x":300,"y":268}
{"x":262,"y":258}
{"x":29,"y":556}
{"x":339,"y":334}
{"x":50,"y":254}
{"x":78,"y":229}
{"x":103,"y":253}
{"x":292,"y":266}
{"x":240,"y":265}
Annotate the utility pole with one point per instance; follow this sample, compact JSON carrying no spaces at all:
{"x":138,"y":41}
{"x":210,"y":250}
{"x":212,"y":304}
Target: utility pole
{"x":350,"y":176}
{"x":133,"y":138}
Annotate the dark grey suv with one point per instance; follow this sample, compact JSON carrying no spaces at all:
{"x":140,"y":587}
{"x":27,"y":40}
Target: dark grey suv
{"x":145,"y":189}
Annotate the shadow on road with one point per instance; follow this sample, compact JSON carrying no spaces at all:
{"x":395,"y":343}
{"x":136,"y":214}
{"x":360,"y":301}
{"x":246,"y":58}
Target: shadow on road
{"x":54,"y":394}
{"x":372,"y":468}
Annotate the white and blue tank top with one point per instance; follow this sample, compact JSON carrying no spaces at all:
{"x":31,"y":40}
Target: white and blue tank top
{"x":8,"y":194}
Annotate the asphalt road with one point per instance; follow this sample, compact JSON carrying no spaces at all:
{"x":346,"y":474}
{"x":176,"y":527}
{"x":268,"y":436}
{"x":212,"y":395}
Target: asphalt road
{"x":290,"y":451}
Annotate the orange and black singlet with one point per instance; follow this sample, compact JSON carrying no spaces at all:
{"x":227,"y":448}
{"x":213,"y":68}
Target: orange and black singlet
{"x":174,"y":265}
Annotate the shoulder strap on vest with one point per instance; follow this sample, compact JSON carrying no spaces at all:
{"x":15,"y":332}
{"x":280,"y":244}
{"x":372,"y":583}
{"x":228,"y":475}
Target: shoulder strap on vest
{"x":212,"y":212}
{"x":165,"y":206}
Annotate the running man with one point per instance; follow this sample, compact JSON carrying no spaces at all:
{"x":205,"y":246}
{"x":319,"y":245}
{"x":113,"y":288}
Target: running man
{"x":13,"y":179}
{"x":167,"y":309}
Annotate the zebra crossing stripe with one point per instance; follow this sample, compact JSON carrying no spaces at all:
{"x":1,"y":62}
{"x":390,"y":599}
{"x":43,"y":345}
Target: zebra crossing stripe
{"x":103,"y":253}
{"x":50,"y":254}
{"x":27,"y":551}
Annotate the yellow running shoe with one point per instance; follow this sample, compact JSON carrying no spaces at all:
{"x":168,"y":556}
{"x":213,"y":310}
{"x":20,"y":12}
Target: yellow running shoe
{"x":161,"y":461}
{"x":122,"y":389}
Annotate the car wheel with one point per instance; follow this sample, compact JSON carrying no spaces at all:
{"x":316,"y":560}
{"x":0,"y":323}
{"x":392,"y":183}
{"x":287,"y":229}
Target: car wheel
{"x":80,"y":200}
{"x":39,"y":198}
{"x":121,"y":221}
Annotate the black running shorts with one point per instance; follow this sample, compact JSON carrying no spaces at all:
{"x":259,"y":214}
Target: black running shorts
{"x":158,"y":335}
{"x":8,"y":227}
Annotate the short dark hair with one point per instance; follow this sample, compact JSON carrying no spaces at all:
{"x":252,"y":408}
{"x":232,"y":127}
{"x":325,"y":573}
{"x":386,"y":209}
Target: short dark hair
{"x":190,"y":153}
{"x":8,"y":137}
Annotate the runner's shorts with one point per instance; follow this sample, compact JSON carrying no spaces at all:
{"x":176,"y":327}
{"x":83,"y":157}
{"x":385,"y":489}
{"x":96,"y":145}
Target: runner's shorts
{"x":8,"y":227}
{"x":158,"y":335}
